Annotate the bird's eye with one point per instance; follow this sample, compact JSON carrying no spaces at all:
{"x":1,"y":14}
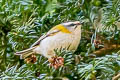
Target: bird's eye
{"x":72,"y":24}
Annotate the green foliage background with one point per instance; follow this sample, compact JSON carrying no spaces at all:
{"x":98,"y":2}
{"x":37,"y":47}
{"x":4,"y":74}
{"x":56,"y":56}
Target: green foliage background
{"x":22,"y":22}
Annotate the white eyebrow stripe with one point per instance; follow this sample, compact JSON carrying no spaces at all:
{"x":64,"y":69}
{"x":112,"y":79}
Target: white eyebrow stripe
{"x":68,"y":23}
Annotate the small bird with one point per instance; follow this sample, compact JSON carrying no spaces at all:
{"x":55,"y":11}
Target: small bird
{"x":65,"y":35}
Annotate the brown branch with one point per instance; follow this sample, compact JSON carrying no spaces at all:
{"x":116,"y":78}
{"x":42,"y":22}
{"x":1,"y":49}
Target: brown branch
{"x":116,"y":77}
{"x":107,"y":49}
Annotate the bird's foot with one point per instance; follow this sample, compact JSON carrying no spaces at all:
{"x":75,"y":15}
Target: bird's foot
{"x":56,"y":62}
{"x":31,"y":59}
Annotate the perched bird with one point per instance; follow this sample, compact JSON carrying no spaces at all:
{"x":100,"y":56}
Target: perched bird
{"x":65,"y":35}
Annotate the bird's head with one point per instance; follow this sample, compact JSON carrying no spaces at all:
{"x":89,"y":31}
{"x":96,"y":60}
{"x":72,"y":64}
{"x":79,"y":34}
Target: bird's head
{"x":72,"y":26}
{"x":68,"y":27}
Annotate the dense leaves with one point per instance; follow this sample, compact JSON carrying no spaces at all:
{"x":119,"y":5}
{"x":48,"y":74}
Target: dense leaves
{"x":22,"y":22}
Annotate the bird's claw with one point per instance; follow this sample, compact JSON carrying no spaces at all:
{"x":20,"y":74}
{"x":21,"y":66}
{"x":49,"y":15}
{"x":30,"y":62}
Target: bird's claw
{"x":31,"y":59}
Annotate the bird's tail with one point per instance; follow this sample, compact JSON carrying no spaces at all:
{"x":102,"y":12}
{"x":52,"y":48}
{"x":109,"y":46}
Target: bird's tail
{"x":25,"y":53}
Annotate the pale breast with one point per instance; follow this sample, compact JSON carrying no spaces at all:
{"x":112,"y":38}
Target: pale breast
{"x":58,"y":41}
